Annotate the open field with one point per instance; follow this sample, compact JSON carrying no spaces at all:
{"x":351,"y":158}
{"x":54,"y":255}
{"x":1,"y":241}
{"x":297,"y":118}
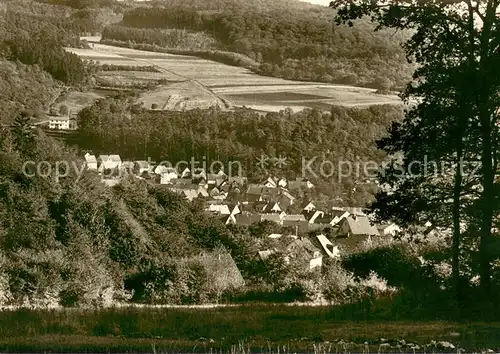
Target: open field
{"x":180,"y":96}
{"x":258,"y":328}
{"x":235,"y":84}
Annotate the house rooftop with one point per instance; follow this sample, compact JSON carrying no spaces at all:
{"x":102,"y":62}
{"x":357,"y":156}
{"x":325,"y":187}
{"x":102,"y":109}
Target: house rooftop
{"x":360,"y":225}
{"x":298,"y":217}
{"x":90,"y":158}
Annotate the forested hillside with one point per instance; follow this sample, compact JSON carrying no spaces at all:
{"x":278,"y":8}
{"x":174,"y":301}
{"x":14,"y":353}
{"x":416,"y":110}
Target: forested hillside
{"x":39,"y":39}
{"x":25,"y":87}
{"x":243,"y":136}
{"x":75,"y":241}
{"x":289,"y":41}
{"x":33,"y":63}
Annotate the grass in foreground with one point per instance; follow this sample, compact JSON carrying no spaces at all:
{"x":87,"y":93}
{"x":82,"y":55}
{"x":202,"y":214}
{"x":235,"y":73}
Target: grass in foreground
{"x":241,"y":329}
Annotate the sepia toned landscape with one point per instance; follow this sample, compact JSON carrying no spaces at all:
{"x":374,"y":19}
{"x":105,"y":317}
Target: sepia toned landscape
{"x":249,"y":176}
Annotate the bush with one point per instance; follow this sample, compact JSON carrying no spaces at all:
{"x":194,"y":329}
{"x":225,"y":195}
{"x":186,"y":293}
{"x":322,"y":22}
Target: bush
{"x":340,"y":286}
{"x":395,"y":263}
{"x":194,"y":280}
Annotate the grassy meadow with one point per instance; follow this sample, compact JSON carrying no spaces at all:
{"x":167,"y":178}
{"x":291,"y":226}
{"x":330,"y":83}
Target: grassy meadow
{"x":258,"y":328}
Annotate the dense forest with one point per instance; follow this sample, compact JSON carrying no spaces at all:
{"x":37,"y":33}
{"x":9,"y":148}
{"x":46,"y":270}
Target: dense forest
{"x":293,"y":44}
{"x":25,"y":87}
{"x":34,"y":39}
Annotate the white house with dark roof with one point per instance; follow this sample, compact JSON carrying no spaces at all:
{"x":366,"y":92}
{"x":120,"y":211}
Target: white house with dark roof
{"x":63,"y":123}
{"x":270,"y":183}
{"x":272,"y":208}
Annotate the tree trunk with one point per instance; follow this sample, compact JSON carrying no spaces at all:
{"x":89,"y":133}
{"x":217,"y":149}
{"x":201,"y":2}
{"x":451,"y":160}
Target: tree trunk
{"x":487,"y":207}
{"x":457,"y":189}
{"x":488,"y":174}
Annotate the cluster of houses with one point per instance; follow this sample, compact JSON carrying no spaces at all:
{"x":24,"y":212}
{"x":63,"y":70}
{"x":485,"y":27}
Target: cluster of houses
{"x":309,"y":232}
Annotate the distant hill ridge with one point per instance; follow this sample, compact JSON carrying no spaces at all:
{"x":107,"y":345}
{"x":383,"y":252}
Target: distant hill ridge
{"x":289,"y":39}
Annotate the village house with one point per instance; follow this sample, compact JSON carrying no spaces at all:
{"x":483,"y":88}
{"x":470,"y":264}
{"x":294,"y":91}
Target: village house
{"x":299,"y":183}
{"x":389,"y":229}
{"x":90,"y":162}
{"x":143,"y":167}
{"x":186,"y":173}
{"x":199,"y":174}
{"x":296,"y":223}
{"x":282,"y":183}
{"x":224,"y":186}
{"x":355,"y":230}
{"x":219,"y":209}
{"x":109,"y":162}
{"x":220,"y":174}
{"x":286,"y":199}
{"x":270,"y":208}
{"x":277,"y":218}
{"x":270,"y":194}
{"x":167,"y":174}
{"x":308,"y":207}
{"x":338,"y":215}
{"x":240,"y":181}
{"x":329,"y":248}
{"x":190,"y":192}
{"x":63,"y":123}
{"x":244,"y":219}
{"x":356,"y":225}
{"x":254,"y":193}
{"x":316,"y":216}
{"x":302,"y":250}
{"x":270,"y":183}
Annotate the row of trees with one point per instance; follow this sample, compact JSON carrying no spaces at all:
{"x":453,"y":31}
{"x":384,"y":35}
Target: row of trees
{"x":172,"y":38}
{"x":454,"y":124}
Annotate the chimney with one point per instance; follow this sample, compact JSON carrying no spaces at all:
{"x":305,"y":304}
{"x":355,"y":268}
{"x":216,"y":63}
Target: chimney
{"x":296,"y":230}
